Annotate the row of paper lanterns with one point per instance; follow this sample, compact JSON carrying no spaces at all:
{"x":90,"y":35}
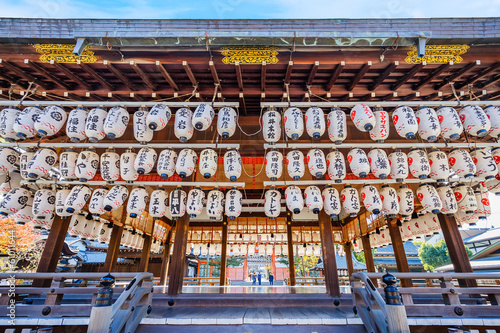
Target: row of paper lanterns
{"x":98,"y":123}
{"x":428,"y":123}
{"x":389,"y":201}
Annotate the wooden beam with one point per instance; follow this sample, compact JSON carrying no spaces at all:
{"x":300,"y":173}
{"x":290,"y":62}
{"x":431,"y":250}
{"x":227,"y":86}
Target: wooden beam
{"x":313,"y":72}
{"x":489,"y":82}
{"x":242,"y":103}
{"x":288,"y":72}
{"x":360,"y":75}
{"x":291,"y":261}
{"x":458,"y":74}
{"x":367,"y":250}
{"x":12,"y":80}
{"x":189,"y":73}
{"x":263,"y":76}
{"x":176,"y":271}
{"x":90,"y":71}
{"x":42,"y":71}
{"x":120,"y":76}
{"x":143,"y":76}
{"x":52,"y":249}
{"x":223,"y":257}
{"x":456,"y":248}
{"x":165,"y":260}
{"x":167,"y":76}
{"x":348,"y":258}
{"x":399,"y":251}
{"x":414,"y":70}
{"x":480,"y":75}
{"x":435,"y":73}
{"x":214,"y":72}
{"x":329,"y":260}
{"x":113,"y":248}
{"x":239,"y":76}
{"x":335,"y":75}
{"x":72,"y":76}
{"x":380,"y":79}
{"x":19,"y":72}
{"x":146,"y":252}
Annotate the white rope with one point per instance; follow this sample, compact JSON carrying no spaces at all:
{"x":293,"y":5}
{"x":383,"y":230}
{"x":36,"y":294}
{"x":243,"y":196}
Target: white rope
{"x":238,"y":123}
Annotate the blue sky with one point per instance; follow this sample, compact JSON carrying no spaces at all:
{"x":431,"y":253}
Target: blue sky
{"x":238,"y":9}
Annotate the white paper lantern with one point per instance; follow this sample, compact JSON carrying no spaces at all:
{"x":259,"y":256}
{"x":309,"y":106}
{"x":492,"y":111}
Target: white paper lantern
{"x":67,"y":164}
{"x":158,"y":117}
{"x":50,"y":120}
{"x":461,"y":162}
{"x":24,"y":159}
{"x":399,"y":165}
{"x":315,"y":122}
{"x":96,"y":203}
{"x":232,"y":165}
{"x":405,"y":230}
{"x":9,"y":181}
{"x":195,"y":199}
{"x":314,"y":201}
{"x":87,"y":165}
{"x":94,"y":235}
{"x":463,"y":218}
{"x":428,"y":124}
{"x":166,"y":163}
{"x":142,"y":132}
{"x":493,"y":185}
{"x":77,"y":198}
{"x":485,"y":164}
{"x":371,"y":199}
{"x":447,"y":197}
{"x":145,"y":160}
{"x":316,"y":162}
{"x":75,"y":127}
{"x":390,"y":204}
{"x":61,"y":197}
{"x":357,"y":245}
{"x":177,"y":207}
{"x":226,"y":122}
{"x":88,"y":228}
{"x":295,"y":164}
{"x":8,"y":159}
{"x":380,"y":131}
{"x":363,"y":117}
{"x":418,"y":163}
{"x":8,"y":118}
{"x":483,"y":210}
{"x":405,"y":122}
{"x":110,"y":166}
{"x":335,"y":162}
{"x":202,"y":117}
{"x":116,"y":122}
{"x":466,"y":199}
{"x":41,"y":163}
{"x":358,"y":162}
{"x":208,"y":163}
{"x":294,"y":199}
{"x":274,"y":164}
{"x":495,"y":153}
{"x":406,"y":201}
{"x":24,"y":125}
{"x":379,"y":163}
{"x":294,"y":123}
{"x":419,"y":227}
{"x":272,"y":203}
{"x":350,"y":200}
{"x":186,"y":162}
{"x":271,"y":126}
{"x":76,"y":225}
{"x":429,"y":198}
{"x":127,"y":169}
{"x":215,"y":204}
{"x":440,"y":169}
{"x":25,"y":214}
{"x":331,"y":202}
{"x":14,"y":201}
{"x":137,"y":201}
{"x":115,"y":198}
{"x":158,"y":204}
{"x":44,"y":203}
{"x":183,"y":126}
{"x":493,"y":114}
{"x":475,"y":121}
{"x":337,"y":125}
{"x":233,"y":203}
{"x":451,"y":126}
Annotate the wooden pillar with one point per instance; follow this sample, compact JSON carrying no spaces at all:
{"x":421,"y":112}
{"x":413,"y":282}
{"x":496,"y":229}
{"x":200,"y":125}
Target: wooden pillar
{"x":399,"y":251}
{"x":367,"y":249}
{"x":113,"y":249}
{"x":291,"y":262}
{"x":165,"y":260}
{"x":456,"y":248}
{"x":223,"y":255}
{"x":146,"y":251}
{"x":329,"y":261}
{"x":176,"y":271}
{"x":348,"y":258}
{"x":52,"y":250}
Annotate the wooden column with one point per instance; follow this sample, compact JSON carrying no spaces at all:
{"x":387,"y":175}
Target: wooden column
{"x":146,"y":251}
{"x":399,"y":251}
{"x":176,"y":271}
{"x":113,"y":249}
{"x":367,"y":249}
{"x":223,"y":256}
{"x":456,"y":248}
{"x":52,"y":250}
{"x":165,"y":260}
{"x":348,"y":258}
{"x":329,"y":261}
{"x":291,"y":263}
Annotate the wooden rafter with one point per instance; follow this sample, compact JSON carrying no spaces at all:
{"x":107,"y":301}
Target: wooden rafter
{"x":481,"y":74}
{"x":456,"y":75}
{"x":380,"y":79}
{"x":263,"y":76}
{"x":189,"y":73}
{"x":335,"y":75}
{"x":435,"y":73}
{"x":214,"y":72}
{"x":28,"y":77}
{"x":47,"y":74}
{"x":489,"y":82}
{"x":90,"y":71}
{"x":313,"y":72}
{"x":145,"y":77}
{"x":239,"y":76}
{"x":359,"y":76}
{"x":390,"y":97}
{"x":288,"y":72}
{"x":11,"y":80}
{"x":167,"y":76}
{"x":120,"y":76}
{"x":242,"y":103}
{"x":72,"y":76}
{"x":407,"y":76}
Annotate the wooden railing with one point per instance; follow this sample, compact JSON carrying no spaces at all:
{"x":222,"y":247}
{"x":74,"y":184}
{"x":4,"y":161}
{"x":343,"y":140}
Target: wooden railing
{"x":198,"y":281}
{"x":316,"y":281}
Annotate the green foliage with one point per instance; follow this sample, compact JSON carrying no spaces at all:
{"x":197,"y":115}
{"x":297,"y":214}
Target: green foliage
{"x":361,"y":255}
{"x":232,"y":261}
{"x":303,"y":264}
{"x":436,"y":255}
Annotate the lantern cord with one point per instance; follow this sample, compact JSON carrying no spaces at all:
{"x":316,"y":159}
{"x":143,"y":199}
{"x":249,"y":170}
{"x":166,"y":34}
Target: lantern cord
{"x":193,"y":93}
{"x":471,"y":94}
{"x":287,"y":91}
{"x":26,"y":94}
{"x":238,"y":122}
{"x":215,"y":93}
{"x":452,"y":85}
{"x":261,"y":168}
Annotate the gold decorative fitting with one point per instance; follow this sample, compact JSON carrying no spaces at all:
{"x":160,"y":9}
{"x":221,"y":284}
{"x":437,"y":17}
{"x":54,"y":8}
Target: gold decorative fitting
{"x":438,"y":54}
{"x":249,"y":55}
{"x":63,"y":53}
